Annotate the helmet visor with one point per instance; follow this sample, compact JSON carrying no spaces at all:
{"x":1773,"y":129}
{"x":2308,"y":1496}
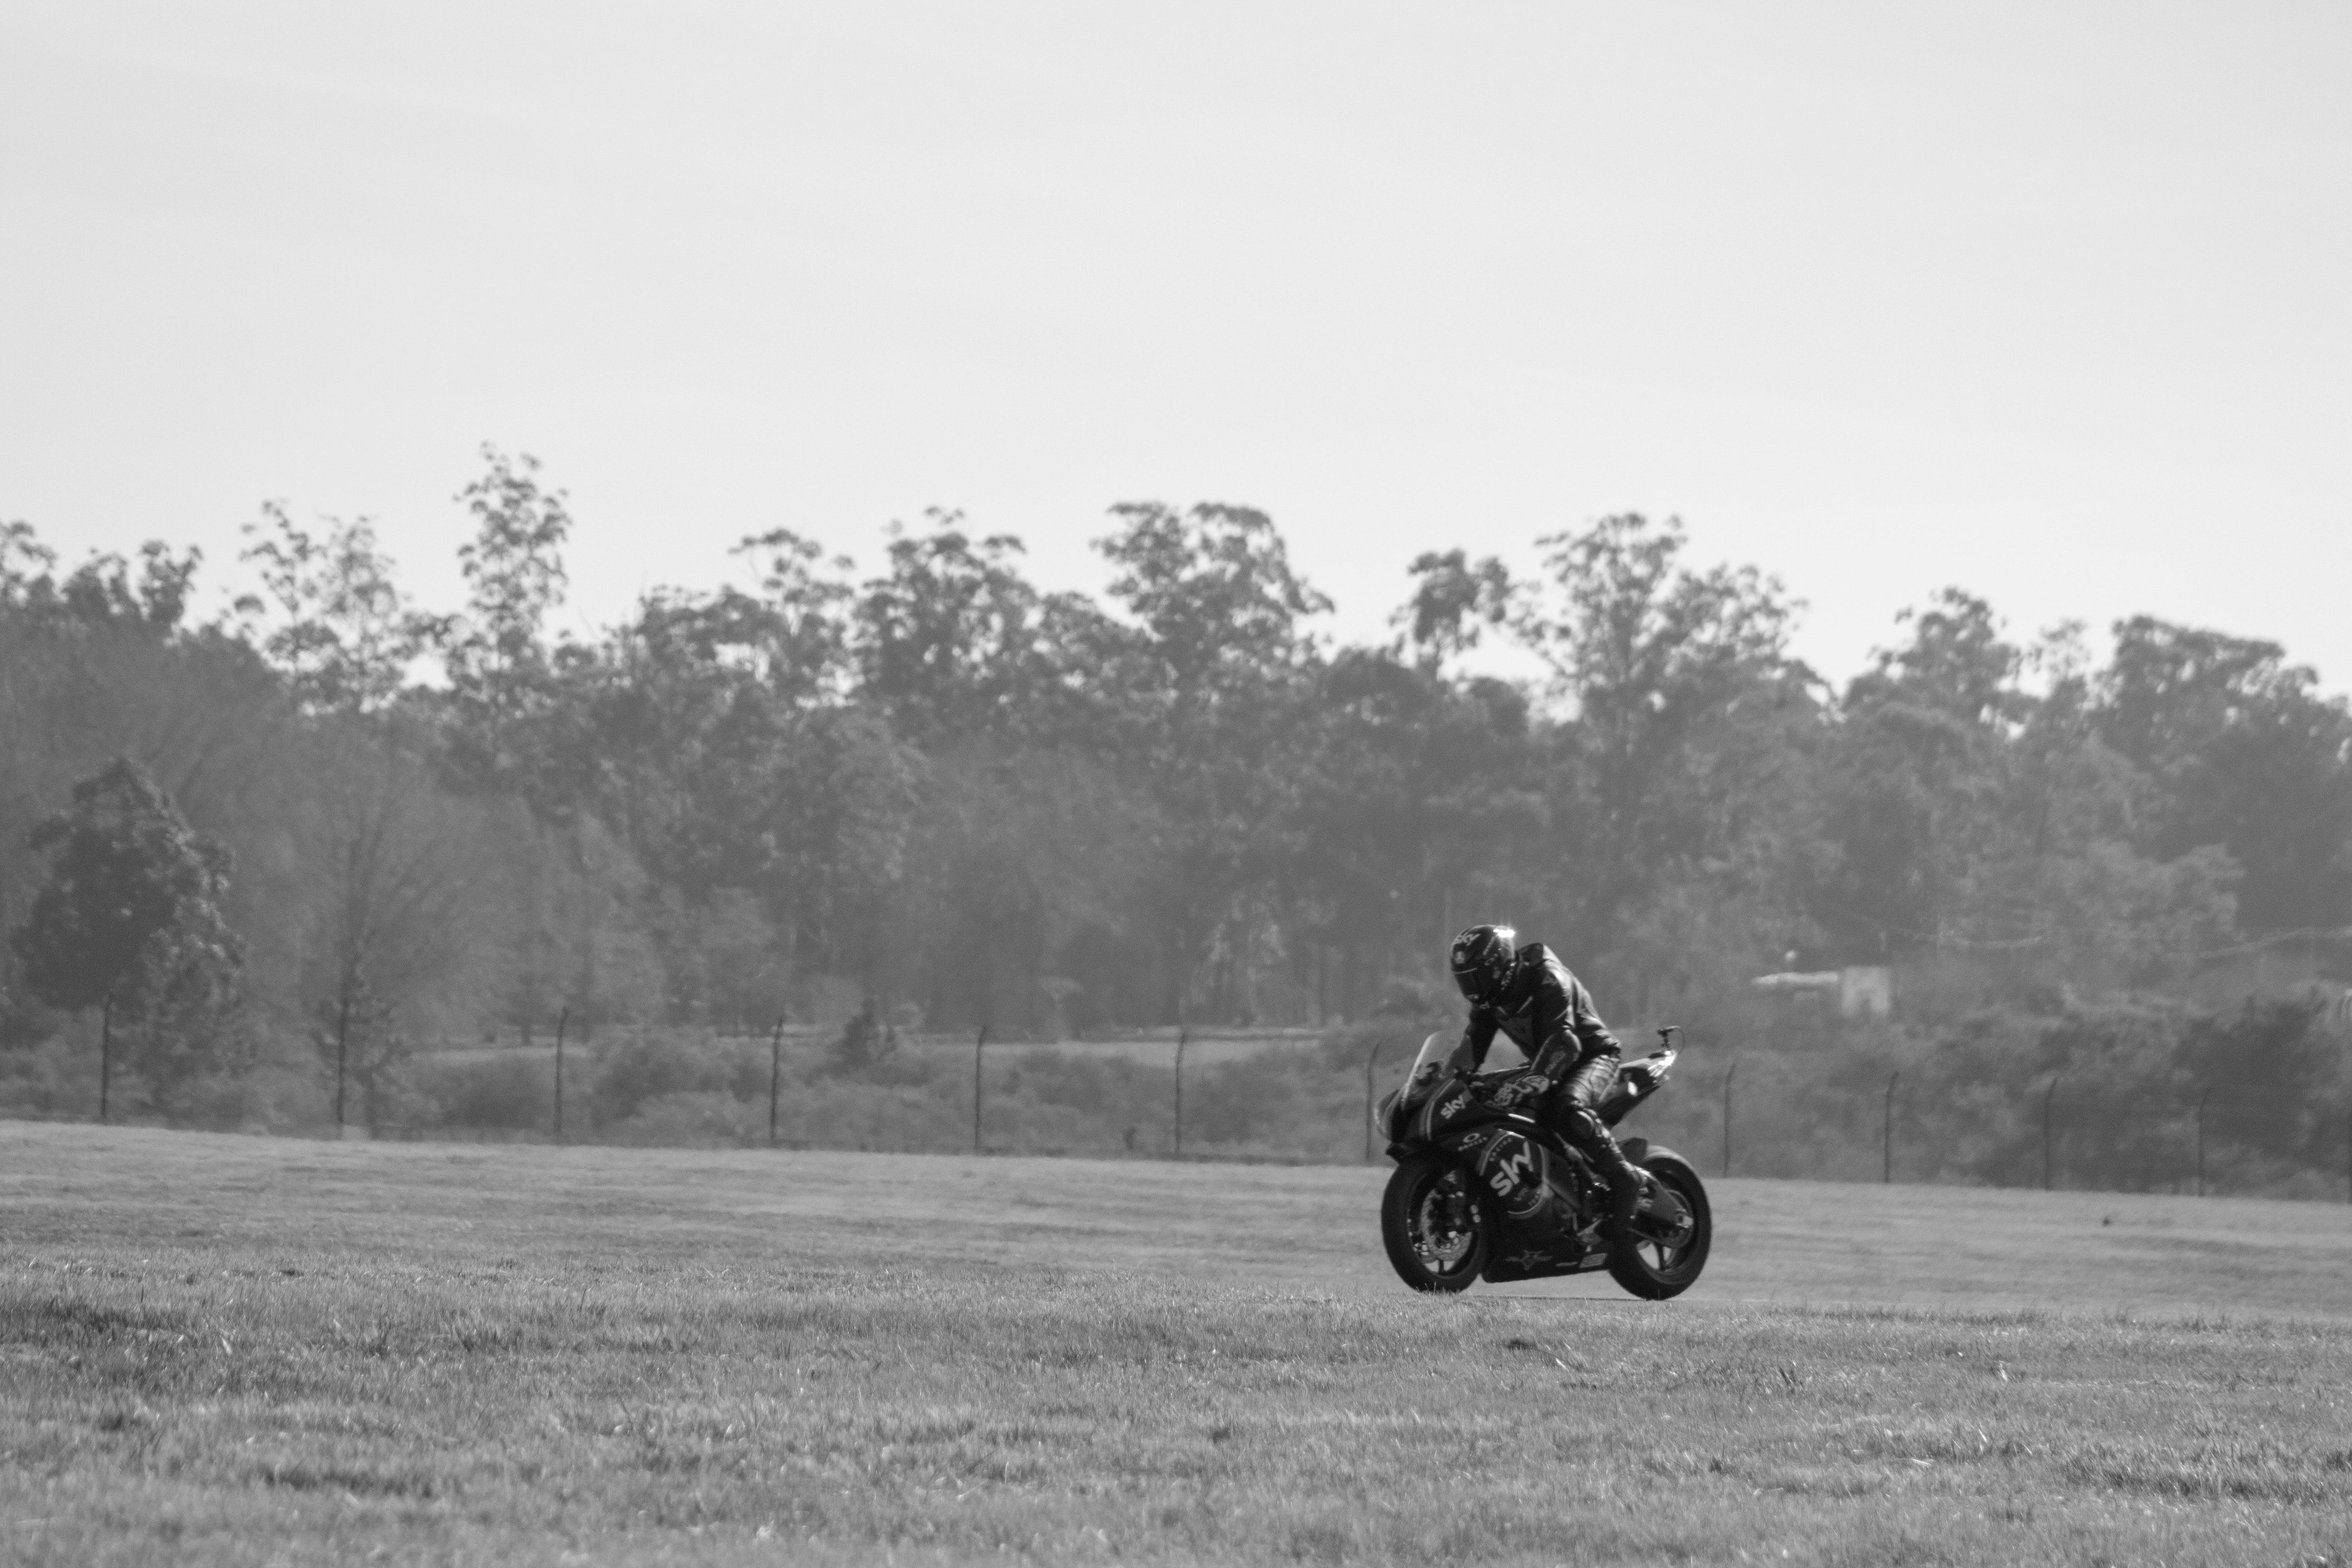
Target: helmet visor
{"x":1482,"y":960}
{"x":1477,"y":975}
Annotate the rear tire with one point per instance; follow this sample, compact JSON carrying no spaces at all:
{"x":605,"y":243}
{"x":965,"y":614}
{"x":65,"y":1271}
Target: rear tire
{"x":1433,"y":1225}
{"x":1655,"y":1269}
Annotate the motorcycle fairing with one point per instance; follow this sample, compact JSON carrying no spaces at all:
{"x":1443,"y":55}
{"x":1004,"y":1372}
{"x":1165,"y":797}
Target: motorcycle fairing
{"x":1637,"y":1082}
{"x":1513,"y":1169}
{"x":1431,"y":1100}
{"x":1441,"y":1113}
{"x":1542,"y":1244}
{"x":1528,"y":1183}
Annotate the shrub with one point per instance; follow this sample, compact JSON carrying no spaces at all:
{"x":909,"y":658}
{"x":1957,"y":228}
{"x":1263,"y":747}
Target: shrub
{"x":515,"y":1089}
{"x":642,"y":1065}
{"x":58,"y":1077}
{"x":698,"y":1116}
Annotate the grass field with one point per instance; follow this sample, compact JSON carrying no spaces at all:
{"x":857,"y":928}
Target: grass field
{"x":240,"y":1349}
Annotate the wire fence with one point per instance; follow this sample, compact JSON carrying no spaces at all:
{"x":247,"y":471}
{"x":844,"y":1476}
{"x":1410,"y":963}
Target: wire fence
{"x":1299,"y":1097}
{"x":2054,"y":1130}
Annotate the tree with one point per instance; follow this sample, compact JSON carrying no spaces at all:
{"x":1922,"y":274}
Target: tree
{"x":806,"y":645}
{"x":130,"y":917}
{"x":1414,"y":801}
{"x":1918,"y":782}
{"x":947,"y":642}
{"x":101,"y":592}
{"x":118,"y":672}
{"x":837,"y":796}
{"x":866,"y":1041}
{"x":633,"y":721}
{"x":2247,"y":755}
{"x":1210,"y":684}
{"x":1971,"y":813}
{"x":1015,"y":854}
{"x":1451,"y":600}
{"x":724,"y":766}
{"x":27,"y":567}
{"x":499,"y":667}
{"x":1683,"y":760}
{"x":344,"y":635}
{"x":393,"y":897}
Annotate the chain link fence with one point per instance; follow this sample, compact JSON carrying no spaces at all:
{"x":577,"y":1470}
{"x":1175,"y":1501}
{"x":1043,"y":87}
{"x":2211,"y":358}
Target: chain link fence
{"x":1304,"y":1097}
{"x":1766,"y":1118}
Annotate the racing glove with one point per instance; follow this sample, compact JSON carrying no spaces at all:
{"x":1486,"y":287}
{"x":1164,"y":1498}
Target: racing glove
{"x":1524,"y":1089}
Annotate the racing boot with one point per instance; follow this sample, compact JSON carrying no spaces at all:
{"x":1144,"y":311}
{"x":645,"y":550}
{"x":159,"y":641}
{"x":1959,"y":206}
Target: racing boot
{"x":1628,"y":1182}
{"x":1630,"y":1189}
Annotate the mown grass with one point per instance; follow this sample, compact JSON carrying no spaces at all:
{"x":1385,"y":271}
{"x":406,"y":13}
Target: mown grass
{"x":221,"y":1350}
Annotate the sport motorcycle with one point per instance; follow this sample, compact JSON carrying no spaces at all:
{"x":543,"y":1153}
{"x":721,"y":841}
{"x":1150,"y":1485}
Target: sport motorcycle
{"x":1482,"y":1191}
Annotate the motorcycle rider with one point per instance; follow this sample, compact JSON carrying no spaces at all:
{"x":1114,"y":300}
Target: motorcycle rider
{"x":1529,"y":995}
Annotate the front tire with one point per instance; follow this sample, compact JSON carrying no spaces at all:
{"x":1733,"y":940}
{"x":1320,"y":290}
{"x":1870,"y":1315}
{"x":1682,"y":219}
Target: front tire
{"x":1434,"y":1228}
{"x":1655,"y":1267}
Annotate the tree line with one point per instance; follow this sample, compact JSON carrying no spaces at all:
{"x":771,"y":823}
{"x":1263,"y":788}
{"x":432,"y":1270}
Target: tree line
{"x":335,"y":818}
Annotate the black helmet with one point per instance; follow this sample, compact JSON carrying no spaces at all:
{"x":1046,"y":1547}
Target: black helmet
{"x":1484,"y":958}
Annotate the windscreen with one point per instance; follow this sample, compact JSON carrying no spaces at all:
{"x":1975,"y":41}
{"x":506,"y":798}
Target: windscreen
{"x":1440,"y":1054}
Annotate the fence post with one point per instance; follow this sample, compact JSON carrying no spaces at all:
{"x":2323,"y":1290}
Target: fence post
{"x":1370,"y":1057}
{"x":1729,"y":1073}
{"x":560,"y":1019}
{"x":2048,"y":1097}
{"x":106,"y":1059}
{"x":342,"y":1028}
{"x":1887,"y":1172}
{"x":1183,"y":1036}
{"x":979,"y":1042}
{"x":2201,"y":1138}
{"x":775,"y":1073}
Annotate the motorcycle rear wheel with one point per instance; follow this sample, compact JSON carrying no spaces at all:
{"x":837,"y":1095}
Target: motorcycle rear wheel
{"x":1655,"y":1269}
{"x":1433,"y":1225}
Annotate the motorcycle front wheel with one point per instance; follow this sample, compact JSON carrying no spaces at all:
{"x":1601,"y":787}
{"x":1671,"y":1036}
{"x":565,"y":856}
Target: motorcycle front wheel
{"x":1654,"y":1264}
{"x":1433,"y":1225}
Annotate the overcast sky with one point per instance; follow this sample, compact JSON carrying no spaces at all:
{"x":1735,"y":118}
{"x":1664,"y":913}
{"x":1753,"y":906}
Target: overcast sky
{"x":2049,"y":301}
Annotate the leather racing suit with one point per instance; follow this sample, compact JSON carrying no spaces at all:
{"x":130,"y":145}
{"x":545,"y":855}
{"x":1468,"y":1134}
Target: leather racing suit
{"x":1547,"y":1012}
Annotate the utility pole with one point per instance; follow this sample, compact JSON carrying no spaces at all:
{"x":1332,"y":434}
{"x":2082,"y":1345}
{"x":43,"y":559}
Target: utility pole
{"x":1182,"y":1034}
{"x":2047,"y":1099}
{"x":2201,"y":1138}
{"x":342,"y":1031}
{"x":1370,"y":1057}
{"x":980,"y":1043}
{"x":1728,"y":1074}
{"x":1886,"y":1176}
{"x":106,"y":1058}
{"x":562,"y":1018}
{"x":775,"y":1073}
